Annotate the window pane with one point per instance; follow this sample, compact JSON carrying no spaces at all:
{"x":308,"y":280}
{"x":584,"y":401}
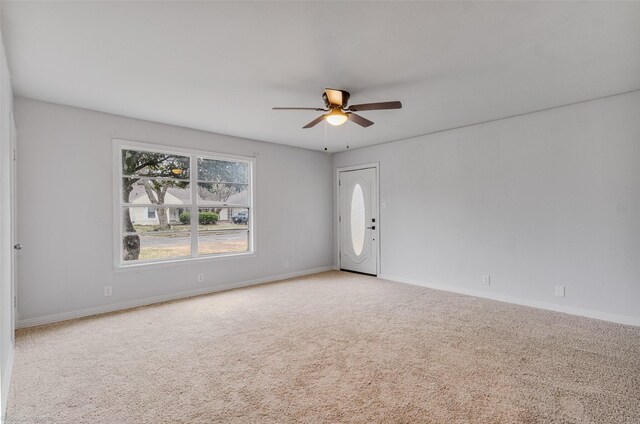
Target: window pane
{"x":223,"y":171}
{"x":149,"y":219}
{"x":228,"y":234}
{"x":156,"y":191}
{"x":219,"y":194}
{"x":151,"y":245}
{"x":357,"y":220}
{"x":153,"y":164}
{"x":225,"y":219}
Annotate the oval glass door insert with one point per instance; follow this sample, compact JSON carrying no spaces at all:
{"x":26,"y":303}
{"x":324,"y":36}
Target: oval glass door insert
{"x":357,"y":219}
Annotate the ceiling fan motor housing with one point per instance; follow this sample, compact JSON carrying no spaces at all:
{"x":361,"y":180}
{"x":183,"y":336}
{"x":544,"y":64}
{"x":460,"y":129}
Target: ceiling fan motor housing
{"x":329,"y":105}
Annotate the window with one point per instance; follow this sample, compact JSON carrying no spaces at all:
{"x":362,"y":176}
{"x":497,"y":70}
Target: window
{"x":159,"y":193}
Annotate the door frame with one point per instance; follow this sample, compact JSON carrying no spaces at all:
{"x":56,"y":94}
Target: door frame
{"x":375,"y":212}
{"x":13,"y":189}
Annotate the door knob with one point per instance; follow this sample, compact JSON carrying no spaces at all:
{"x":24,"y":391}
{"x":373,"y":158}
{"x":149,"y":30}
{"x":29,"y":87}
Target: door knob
{"x":18,"y":246}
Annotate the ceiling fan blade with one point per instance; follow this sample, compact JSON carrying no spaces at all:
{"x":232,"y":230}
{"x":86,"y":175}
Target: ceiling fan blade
{"x":314,"y":122}
{"x":363,"y":122}
{"x":319,"y":109}
{"x":376,"y":106}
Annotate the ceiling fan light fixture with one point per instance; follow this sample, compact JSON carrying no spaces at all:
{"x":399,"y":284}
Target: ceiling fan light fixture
{"x":336,"y":117}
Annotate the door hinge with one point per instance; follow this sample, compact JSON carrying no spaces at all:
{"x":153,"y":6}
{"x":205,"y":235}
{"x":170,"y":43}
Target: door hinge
{"x":339,"y":219}
{"x":339,"y":182}
{"x":15,"y":302}
{"x":14,"y":155}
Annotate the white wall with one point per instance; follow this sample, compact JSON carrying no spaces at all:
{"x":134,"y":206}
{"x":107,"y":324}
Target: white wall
{"x":65,"y":207}
{"x":6,"y":342}
{"x":534,"y":201}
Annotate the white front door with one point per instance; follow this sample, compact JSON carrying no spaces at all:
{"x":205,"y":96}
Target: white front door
{"x":358,"y":220}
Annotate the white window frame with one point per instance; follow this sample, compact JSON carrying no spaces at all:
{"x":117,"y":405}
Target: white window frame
{"x":120,"y":144}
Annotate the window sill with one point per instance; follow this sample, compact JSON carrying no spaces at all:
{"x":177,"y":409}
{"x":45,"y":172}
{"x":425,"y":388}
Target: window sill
{"x":154,"y":265}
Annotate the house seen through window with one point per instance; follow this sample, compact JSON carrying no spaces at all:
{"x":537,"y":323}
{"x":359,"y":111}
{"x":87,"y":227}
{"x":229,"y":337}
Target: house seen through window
{"x":162,"y":192}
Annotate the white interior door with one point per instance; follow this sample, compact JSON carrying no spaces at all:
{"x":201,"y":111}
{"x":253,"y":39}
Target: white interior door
{"x":358,"y":220}
{"x":14,"y":225}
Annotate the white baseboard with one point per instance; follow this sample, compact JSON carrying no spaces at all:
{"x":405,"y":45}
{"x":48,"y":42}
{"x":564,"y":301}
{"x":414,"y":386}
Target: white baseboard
{"x":6,"y":383}
{"x":64,"y":316}
{"x":573,"y":310}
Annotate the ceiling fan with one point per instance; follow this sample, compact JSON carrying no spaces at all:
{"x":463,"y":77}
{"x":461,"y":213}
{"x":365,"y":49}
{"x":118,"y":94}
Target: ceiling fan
{"x":336,"y":104}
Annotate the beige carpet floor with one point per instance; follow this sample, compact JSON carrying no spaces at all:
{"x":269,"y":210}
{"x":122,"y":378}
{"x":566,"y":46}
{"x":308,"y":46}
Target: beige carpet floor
{"x":333,"y":347}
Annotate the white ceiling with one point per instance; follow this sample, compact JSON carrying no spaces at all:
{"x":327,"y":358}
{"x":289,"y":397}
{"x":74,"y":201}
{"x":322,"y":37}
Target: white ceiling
{"x":221,"y":66}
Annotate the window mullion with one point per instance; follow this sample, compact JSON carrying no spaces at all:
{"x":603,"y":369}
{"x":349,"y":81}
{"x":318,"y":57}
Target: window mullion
{"x":195,"y":218}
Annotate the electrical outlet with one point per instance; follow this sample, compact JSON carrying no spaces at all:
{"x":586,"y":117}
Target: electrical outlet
{"x":560,"y":292}
{"x":108,"y":291}
{"x":486,"y":280}
{"x":200,"y":278}
{"x":287,"y":264}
